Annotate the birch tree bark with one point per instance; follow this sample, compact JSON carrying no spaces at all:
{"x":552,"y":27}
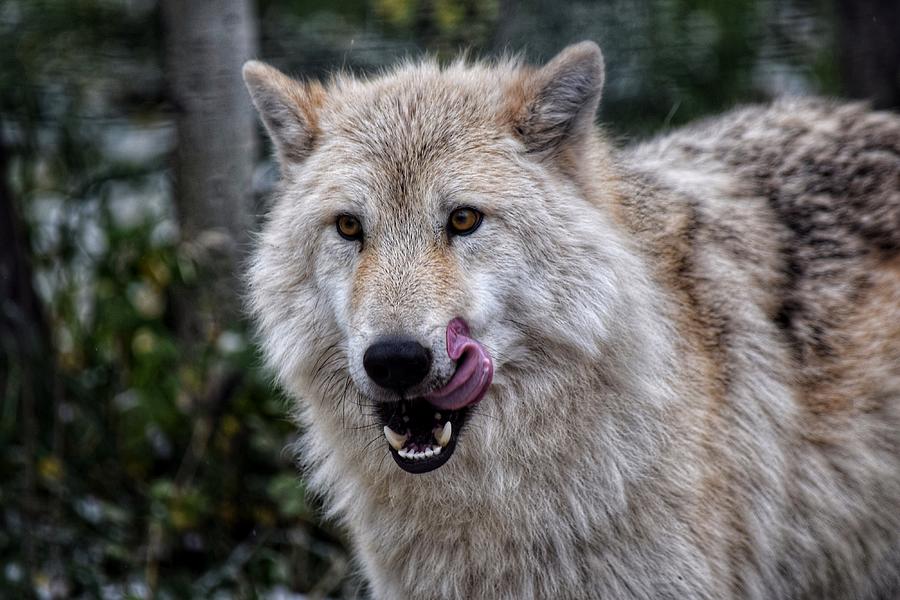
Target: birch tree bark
{"x":206,"y":43}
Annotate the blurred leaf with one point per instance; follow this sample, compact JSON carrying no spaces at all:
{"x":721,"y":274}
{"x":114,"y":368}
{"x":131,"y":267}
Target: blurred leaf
{"x":288,"y":494}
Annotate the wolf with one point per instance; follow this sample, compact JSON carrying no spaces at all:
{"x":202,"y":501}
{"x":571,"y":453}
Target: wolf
{"x":531,"y":364}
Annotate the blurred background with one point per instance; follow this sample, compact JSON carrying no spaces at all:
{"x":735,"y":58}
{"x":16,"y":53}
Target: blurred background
{"x":143,"y":450}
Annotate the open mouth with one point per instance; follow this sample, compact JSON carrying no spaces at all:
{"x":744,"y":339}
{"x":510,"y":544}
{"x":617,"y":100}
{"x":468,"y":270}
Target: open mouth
{"x":421,"y":436}
{"x":422,"y":433}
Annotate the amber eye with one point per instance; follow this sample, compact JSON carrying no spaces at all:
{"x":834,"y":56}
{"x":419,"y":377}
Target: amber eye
{"x":349,"y":227}
{"x":464,"y":221}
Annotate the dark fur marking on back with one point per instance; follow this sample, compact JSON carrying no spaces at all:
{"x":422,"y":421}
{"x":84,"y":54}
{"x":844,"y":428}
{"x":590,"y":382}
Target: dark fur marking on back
{"x":837,"y":194}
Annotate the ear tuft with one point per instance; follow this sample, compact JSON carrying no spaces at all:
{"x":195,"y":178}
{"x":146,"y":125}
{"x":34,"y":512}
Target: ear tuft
{"x":561,"y":99}
{"x":287,"y":107}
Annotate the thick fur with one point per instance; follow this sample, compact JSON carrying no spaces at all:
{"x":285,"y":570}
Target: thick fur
{"x":696,"y":340}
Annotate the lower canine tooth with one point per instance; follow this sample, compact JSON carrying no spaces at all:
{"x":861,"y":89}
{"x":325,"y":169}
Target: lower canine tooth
{"x":443,"y":435}
{"x":394,"y":439}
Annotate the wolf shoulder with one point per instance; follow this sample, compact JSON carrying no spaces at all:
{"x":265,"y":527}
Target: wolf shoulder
{"x":807,"y":157}
{"x":793,"y":207}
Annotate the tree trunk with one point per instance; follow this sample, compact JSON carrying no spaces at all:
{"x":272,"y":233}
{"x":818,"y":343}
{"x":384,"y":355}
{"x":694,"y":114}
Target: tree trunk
{"x":869,"y":50}
{"x":207,"y":41}
{"x":22,"y":315}
{"x":25,"y":344}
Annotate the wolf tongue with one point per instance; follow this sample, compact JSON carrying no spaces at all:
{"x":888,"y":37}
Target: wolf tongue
{"x":474,"y":370}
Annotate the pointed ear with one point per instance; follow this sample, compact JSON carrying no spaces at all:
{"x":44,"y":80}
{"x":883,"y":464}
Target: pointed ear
{"x":560,"y":99}
{"x":288,"y":109}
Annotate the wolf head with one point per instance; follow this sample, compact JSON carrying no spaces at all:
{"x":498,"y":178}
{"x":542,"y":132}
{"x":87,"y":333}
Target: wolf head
{"x":433,"y":206}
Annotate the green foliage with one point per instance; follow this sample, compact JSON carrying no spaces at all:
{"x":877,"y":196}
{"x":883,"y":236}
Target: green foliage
{"x":152,"y":470}
{"x":154,"y":481}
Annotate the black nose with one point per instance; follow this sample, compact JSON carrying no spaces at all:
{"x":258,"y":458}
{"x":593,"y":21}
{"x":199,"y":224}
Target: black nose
{"x":397,"y":363}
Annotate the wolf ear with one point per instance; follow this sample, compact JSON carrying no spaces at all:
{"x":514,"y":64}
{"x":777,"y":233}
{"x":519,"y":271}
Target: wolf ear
{"x":561,"y":98}
{"x":287,"y":108}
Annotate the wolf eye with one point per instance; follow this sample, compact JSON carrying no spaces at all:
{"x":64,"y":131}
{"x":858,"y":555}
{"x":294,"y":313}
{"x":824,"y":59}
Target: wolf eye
{"x":463,"y":221}
{"x":349,"y":227}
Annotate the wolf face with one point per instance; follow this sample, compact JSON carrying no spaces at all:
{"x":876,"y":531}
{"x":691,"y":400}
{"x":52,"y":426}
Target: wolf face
{"x":421,"y":207}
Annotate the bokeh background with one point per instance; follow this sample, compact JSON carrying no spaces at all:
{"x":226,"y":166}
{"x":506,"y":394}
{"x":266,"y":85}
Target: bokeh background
{"x":143,"y":450}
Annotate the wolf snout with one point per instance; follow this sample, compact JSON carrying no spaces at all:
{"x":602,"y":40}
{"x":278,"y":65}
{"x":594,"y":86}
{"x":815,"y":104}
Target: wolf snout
{"x":397,"y":363}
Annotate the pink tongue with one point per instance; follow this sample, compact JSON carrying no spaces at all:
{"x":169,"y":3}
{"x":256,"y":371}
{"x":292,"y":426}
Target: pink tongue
{"x":474,"y":370}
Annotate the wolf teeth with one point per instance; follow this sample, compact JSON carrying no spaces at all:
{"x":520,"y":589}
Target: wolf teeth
{"x":395,"y":439}
{"x":412,"y":455}
{"x":443,"y":435}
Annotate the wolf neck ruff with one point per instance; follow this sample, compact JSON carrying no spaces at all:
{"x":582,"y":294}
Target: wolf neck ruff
{"x":422,"y":432}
